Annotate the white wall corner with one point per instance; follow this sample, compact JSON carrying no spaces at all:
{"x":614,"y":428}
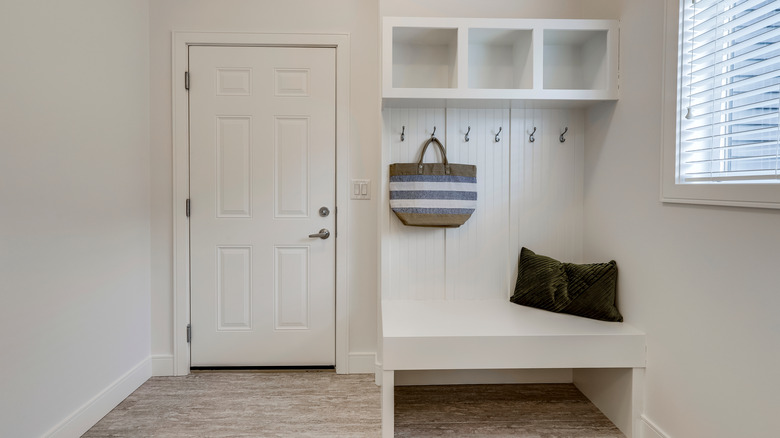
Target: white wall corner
{"x":80,"y":421}
{"x":362,"y":363}
{"x":162,"y":365}
{"x":651,"y":430}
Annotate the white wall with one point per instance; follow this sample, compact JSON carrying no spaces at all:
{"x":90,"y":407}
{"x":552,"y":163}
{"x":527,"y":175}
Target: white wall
{"x":74,"y":212}
{"x":355,"y":17}
{"x":701,"y":281}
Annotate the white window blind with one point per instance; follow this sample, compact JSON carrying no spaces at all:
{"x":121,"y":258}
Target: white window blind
{"x":729,"y":92}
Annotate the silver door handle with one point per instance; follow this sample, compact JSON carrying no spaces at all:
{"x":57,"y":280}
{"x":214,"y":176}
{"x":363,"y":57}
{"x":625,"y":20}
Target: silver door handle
{"x":323,"y":234}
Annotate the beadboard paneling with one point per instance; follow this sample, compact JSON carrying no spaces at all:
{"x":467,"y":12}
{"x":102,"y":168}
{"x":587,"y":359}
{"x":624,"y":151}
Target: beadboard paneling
{"x":529,"y":194}
{"x":477,"y":251}
{"x":417,"y":255}
{"x":547,"y":196}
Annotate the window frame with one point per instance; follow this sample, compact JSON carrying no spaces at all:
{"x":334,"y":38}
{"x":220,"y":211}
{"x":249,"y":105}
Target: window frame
{"x":758,"y":195}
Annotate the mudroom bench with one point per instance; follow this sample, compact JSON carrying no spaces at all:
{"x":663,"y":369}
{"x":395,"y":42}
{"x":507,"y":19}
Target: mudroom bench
{"x":497,"y":334}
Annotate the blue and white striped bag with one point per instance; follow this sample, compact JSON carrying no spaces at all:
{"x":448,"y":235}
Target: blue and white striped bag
{"x":433,"y":194}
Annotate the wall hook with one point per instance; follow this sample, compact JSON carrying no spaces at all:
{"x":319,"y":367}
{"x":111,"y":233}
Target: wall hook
{"x":433,"y":134}
{"x":498,"y":133}
{"x":531,"y":137}
{"x":403,"y":131}
{"x":565,"y":130}
{"x":467,"y":135}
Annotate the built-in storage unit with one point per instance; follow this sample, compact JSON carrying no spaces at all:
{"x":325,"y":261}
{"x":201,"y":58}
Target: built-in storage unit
{"x":507,"y":96}
{"x":452,"y":59}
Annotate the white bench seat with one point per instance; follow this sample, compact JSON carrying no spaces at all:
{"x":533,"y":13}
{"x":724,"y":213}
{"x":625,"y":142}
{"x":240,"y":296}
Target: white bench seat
{"x":497,"y":334}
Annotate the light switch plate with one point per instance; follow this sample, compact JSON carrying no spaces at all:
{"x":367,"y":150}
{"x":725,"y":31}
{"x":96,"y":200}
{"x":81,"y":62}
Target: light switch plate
{"x":361,"y":189}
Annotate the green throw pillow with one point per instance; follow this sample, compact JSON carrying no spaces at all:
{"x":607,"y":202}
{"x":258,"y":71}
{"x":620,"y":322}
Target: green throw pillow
{"x":582,"y":290}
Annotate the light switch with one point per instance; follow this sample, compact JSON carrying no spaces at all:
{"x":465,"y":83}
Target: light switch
{"x":361,"y":189}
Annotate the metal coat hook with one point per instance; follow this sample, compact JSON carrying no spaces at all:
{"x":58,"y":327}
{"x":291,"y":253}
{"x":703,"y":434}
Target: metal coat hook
{"x":565,"y":130}
{"x":531,"y":137}
{"x":498,"y":133}
{"x":467,"y":135}
{"x":403,"y":131}
{"x":433,"y":135}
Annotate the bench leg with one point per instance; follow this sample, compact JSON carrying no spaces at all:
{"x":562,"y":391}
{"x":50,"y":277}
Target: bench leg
{"x":388,"y":403}
{"x":637,"y":400}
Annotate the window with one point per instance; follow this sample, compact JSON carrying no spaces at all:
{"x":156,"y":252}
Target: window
{"x":728,"y":101}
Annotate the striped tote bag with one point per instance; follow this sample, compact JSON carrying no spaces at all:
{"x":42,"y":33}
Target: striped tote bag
{"x":433,"y":194}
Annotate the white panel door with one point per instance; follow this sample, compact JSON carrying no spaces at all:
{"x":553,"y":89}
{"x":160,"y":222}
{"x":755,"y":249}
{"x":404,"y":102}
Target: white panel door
{"x":262,"y":165}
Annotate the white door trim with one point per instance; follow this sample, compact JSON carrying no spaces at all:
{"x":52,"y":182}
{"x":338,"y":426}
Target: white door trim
{"x":181,"y":182}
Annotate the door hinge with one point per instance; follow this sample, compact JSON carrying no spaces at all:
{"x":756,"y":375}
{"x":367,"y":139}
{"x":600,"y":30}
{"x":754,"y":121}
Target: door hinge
{"x":189,"y":333}
{"x":186,"y":80}
{"x":187,"y":207}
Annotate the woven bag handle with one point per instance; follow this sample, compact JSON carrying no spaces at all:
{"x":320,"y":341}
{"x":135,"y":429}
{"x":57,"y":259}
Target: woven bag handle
{"x":443,"y":155}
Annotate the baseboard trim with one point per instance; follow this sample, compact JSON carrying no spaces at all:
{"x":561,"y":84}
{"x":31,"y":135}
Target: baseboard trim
{"x":651,"y":430}
{"x":361,"y":363}
{"x":162,"y":365}
{"x":80,"y":421}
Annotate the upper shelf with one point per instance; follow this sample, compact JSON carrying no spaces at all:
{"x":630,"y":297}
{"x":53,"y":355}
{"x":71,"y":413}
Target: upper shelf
{"x":463,"y":60}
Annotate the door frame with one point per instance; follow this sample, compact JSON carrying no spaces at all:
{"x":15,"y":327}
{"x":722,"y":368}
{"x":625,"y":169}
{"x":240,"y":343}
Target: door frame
{"x":181,"y":175}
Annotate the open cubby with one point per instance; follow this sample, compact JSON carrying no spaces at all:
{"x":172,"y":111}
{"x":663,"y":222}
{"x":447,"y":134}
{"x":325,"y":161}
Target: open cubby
{"x":575,"y":59}
{"x":425,"y":57}
{"x":500,"y":58}
{"x":446,"y":61}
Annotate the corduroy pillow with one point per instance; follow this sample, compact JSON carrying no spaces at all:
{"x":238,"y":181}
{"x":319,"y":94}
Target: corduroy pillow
{"x":583,"y":290}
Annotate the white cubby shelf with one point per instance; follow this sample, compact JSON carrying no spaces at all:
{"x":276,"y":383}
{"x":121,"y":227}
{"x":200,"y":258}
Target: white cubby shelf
{"x":450,"y":62}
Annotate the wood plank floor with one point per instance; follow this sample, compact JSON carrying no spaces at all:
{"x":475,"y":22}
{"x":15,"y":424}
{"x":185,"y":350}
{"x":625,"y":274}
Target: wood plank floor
{"x":323,"y":404}
{"x":538,"y":411}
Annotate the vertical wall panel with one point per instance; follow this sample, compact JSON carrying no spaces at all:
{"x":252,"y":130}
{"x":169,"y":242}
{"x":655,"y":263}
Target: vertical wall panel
{"x":234,"y":288}
{"x":417,"y":254}
{"x":547,"y":186}
{"x":477,"y":251}
{"x":529,"y":194}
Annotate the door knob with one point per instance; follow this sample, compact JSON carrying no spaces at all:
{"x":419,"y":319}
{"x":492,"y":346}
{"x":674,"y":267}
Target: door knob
{"x":323,"y":234}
